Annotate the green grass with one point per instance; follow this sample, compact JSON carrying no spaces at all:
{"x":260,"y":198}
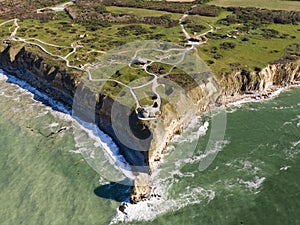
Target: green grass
{"x":125,"y":75}
{"x":269,"y":4}
{"x":6,"y":29}
{"x":64,"y":32}
{"x":205,"y":20}
{"x":57,"y":32}
{"x":141,"y":12}
{"x":256,"y":52}
{"x":209,"y":19}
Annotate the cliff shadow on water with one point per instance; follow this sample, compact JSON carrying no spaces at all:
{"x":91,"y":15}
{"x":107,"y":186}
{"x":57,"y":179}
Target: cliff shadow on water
{"x":57,"y":88}
{"x":114,"y":191}
{"x":139,"y":142}
{"x":118,"y":121}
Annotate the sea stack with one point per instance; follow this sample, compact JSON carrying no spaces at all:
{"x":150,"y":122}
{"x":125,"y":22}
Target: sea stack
{"x":141,"y":189}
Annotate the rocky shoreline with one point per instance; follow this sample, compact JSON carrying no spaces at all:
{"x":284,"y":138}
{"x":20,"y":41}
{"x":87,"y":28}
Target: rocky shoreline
{"x":254,"y":96}
{"x":260,"y":85}
{"x":61,"y":84}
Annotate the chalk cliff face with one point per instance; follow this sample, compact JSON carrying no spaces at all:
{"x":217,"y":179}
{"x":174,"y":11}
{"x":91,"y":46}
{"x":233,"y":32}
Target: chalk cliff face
{"x":280,"y":74}
{"x":57,"y":82}
{"x":52,"y":77}
{"x":61,"y":83}
{"x":243,"y":83}
{"x":177,"y":116}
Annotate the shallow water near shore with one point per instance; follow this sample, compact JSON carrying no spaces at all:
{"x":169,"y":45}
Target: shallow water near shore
{"x":253,"y":180}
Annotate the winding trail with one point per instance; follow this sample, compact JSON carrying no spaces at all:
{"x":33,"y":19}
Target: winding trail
{"x":14,"y":33}
{"x":5,"y":22}
{"x":45,"y":43}
{"x":151,"y":110}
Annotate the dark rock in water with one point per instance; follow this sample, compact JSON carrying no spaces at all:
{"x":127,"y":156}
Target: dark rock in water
{"x":123,"y":207}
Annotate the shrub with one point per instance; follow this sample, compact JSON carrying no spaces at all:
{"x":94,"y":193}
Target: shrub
{"x":258,"y":17}
{"x":218,"y":56}
{"x":209,"y":62}
{"x":227,"y":45}
{"x":206,"y":10}
{"x":269,"y":33}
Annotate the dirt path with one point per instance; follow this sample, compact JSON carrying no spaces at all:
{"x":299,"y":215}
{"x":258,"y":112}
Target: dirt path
{"x":148,"y":110}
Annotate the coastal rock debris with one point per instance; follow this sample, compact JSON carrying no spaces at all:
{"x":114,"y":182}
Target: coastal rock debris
{"x":141,"y":189}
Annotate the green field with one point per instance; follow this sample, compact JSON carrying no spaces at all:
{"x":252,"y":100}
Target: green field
{"x":141,"y":12}
{"x":64,"y":32}
{"x":269,"y":4}
{"x":227,"y":49}
{"x":251,"y":50}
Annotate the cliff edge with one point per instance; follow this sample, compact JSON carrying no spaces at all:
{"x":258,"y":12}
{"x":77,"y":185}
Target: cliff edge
{"x":61,"y":83}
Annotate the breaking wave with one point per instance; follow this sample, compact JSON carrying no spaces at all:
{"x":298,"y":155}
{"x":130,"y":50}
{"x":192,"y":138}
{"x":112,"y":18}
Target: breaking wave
{"x":96,"y":147}
{"x":166,"y":176}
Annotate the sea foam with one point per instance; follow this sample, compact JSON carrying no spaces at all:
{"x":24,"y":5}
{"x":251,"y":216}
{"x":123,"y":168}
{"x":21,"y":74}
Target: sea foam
{"x":58,"y":109}
{"x":161,"y":201}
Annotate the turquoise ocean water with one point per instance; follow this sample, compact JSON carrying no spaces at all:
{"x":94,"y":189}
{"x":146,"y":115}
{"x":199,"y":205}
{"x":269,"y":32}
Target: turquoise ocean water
{"x":253,"y":180}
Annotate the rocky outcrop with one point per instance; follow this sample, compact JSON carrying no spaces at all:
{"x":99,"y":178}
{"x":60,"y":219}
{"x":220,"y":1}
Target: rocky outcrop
{"x":53,"y":78}
{"x":141,"y":189}
{"x":41,"y":72}
{"x":176,"y":116}
{"x":241,"y":83}
{"x":280,"y":74}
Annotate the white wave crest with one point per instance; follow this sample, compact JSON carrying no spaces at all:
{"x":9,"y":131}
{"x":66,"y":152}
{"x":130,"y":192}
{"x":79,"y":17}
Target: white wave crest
{"x":243,"y":101}
{"x":101,"y":143}
{"x":253,"y":184}
{"x":58,"y":109}
{"x":161,"y":202}
{"x":150,"y":209}
{"x":217,"y":147}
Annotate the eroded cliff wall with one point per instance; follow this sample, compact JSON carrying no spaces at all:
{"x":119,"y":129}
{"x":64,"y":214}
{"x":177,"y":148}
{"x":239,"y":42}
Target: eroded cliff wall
{"x":242,"y":83}
{"x":59,"y":82}
{"x":52,"y":77}
{"x":41,"y":72}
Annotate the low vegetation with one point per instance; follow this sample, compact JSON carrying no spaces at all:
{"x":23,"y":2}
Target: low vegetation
{"x":173,"y":7}
{"x":27,"y":9}
{"x":243,"y":38}
{"x":233,"y":48}
{"x":267,"y":4}
{"x":94,"y":15}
